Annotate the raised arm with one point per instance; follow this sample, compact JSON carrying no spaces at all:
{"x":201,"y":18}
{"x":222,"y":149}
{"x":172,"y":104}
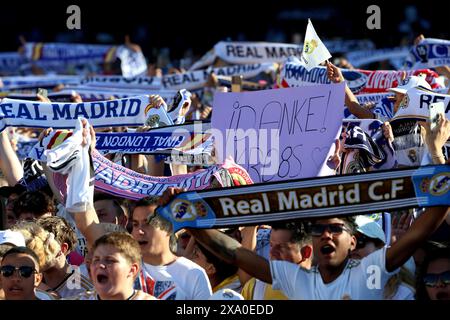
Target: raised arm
{"x":231,"y":251}
{"x":9,"y":162}
{"x":88,"y":224}
{"x":436,"y":139}
{"x":87,"y":221}
{"x":225,"y":247}
{"x":335,"y":76}
{"x":249,"y":241}
{"x":419,"y":231}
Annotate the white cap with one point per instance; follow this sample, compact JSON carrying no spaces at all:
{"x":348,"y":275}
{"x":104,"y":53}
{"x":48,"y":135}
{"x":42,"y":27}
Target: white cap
{"x":411,"y":82}
{"x":12,"y":237}
{"x":369,"y":228}
{"x":226,"y":294}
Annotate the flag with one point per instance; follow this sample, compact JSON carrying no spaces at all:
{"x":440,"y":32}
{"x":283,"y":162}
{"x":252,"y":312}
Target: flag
{"x":314,"y":51}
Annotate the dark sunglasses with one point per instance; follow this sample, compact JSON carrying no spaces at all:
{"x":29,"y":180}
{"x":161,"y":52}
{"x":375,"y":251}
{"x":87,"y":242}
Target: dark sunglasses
{"x":361,"y":241}
{"x":432,"y":279}
{"x":335,"y":228}
{"x":24,"y":271}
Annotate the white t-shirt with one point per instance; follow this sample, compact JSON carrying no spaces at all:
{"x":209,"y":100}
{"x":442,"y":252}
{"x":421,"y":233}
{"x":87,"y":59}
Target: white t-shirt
{"x":75,"y":283}
{"x":361,"y":280}
{"x":181,"y":280}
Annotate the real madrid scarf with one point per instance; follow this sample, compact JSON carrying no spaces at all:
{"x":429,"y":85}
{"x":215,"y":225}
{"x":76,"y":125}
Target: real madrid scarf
{"x":89,"y":94}
{"x":366,"y":135}
{"x":120,"y":181}
{"x":54,"y":96}
{"x":69,"y":52}
{"x":132,"y":63}
{"x":429,"y":53}
{"x":364,"y":57}
{"x":371,"y":154}
{"x":310,"y":198}
{"x":187,"y":80}
{"x":408,"y":141}
{"x":114,"y":113}
{"x":183,"y":144}
{"x":293,"y":74}
{"x":250,"y":51}
{"x":349,"y":45}
{"x":10,"y":83}
{"x":416,"y":103}
{"x":63,"y":56}
{"x":33,"y":175}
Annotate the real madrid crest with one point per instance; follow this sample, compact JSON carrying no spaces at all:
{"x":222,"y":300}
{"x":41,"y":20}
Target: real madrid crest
{"x":405,"y":102}
{"x":183,"y":210}
{"x":440,"y":184}
{"x":310,"y":46}
{"x":152,"y":121}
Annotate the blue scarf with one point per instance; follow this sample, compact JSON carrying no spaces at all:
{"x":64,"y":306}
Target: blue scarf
{"x":310,"y":198}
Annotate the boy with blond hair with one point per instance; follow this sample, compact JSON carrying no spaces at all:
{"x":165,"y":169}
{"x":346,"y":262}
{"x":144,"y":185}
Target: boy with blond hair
{"x":115,"y":265}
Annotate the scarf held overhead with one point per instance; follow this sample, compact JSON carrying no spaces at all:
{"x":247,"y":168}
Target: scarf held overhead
{"x":310,"y":198}
{"x":123,"y":182}
{"x":182,"y":138}
{"x":186,"y":80}
{"x":123,"y":112}
{"x":416,"y":104}
{"x":429,"y":53}
{"x":117,"y":180}
{"x":293,"y":74}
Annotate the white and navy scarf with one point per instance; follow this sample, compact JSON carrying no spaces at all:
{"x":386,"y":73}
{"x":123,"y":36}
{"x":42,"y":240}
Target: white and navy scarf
{"x":178,"y":81}
{"x":183,"y":138}
{"x":13,"y":82}
{"x":123,"y":112}
{"x":372,"y":151}
{"x":249,"y":52}
{"x":10,"y":62}
{"x":429,"y":53}
{"x":349,"y":45}
{"x":293,"y":74}
{"x":416,"y":103}
{"x":89,"y":94}
{"x":69,"y":53}
{"x":365,"y":57}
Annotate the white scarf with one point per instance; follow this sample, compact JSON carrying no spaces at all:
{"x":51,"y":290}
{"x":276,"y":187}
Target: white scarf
{"x":416,"y":104}
{"x":178,"y":81}
{"x":73,"y":159}
{"x":364,"y":57}
{"x":254,"y":52}
{"x":429,"y":53}
{"x":294,"y":74}
{"x":122,"y":112}
{"x":91,"y":93}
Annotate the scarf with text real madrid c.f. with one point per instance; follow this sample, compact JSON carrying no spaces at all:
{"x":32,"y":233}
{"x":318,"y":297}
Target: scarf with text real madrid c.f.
{"x":310,"y":198}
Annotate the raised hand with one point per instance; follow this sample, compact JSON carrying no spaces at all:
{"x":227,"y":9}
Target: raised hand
{"x":334,"y":73}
